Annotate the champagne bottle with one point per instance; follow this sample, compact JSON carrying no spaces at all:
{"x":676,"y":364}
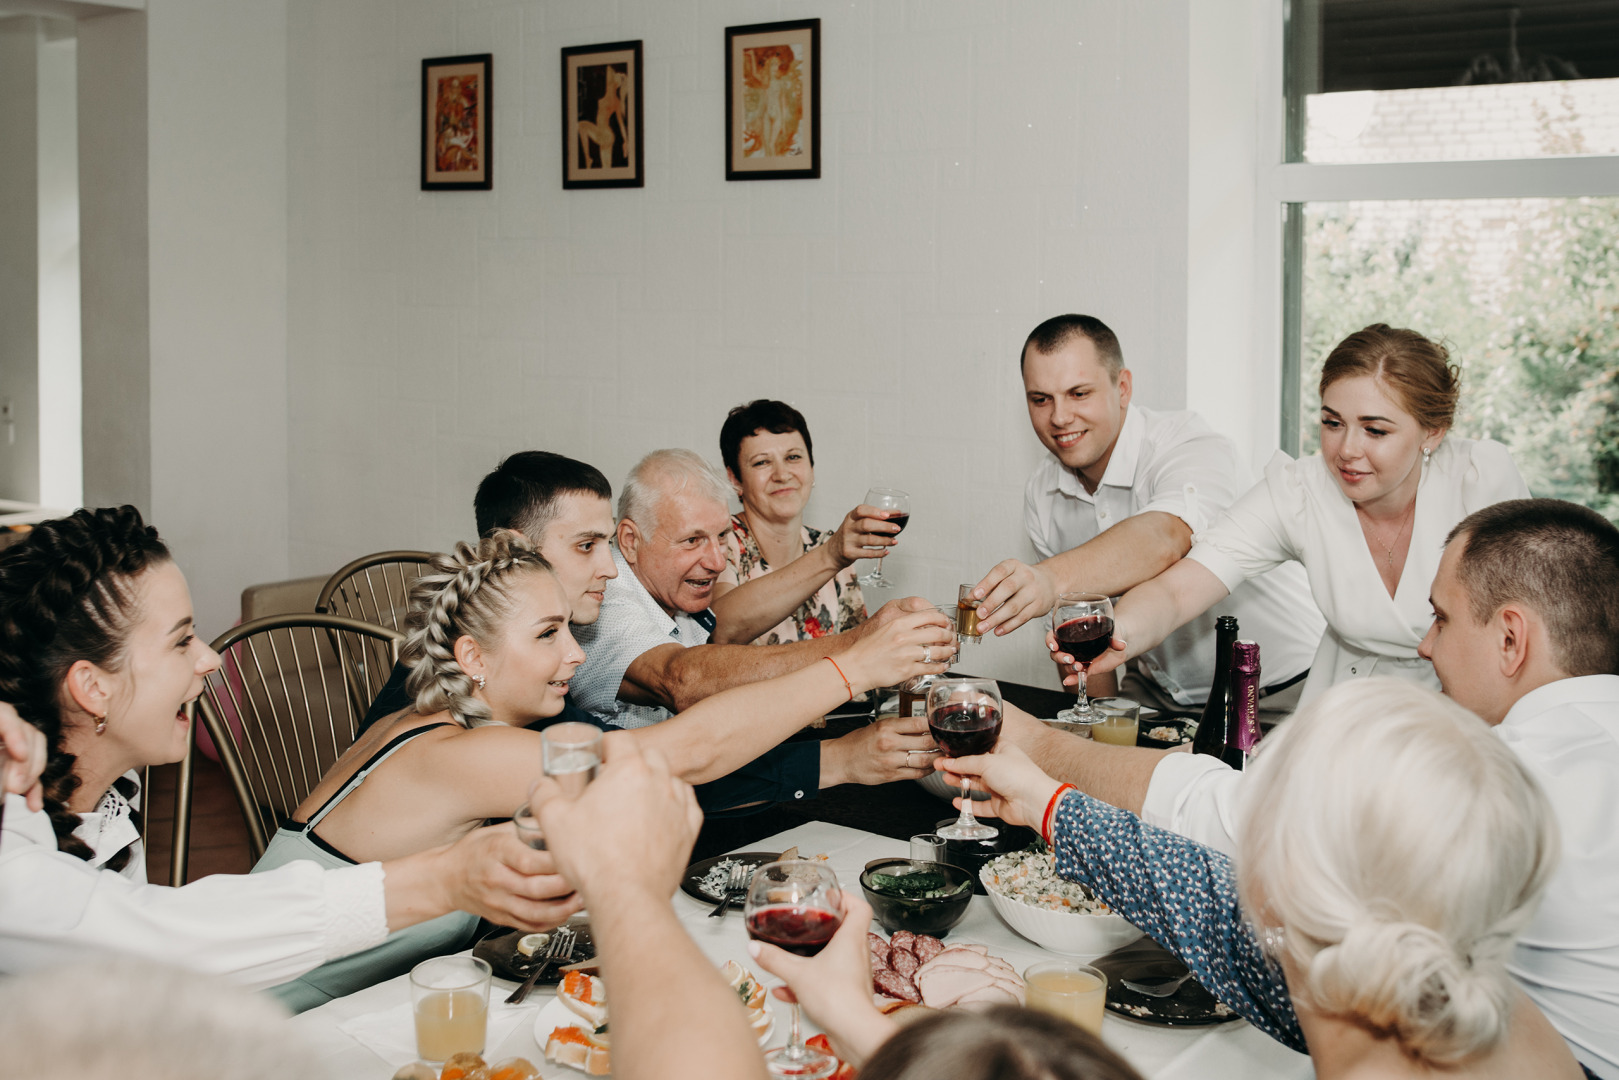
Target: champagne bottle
{"x":1244,"y":734}
{"x":1214,"y":729}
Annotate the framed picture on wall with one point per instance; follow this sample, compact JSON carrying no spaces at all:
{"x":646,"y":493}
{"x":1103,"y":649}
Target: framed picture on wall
{"x":457,"y":128}
{"x":601,"y":116}
{"x":773,"y":101}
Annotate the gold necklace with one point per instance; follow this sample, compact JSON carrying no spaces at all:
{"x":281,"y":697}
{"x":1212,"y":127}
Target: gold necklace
{"x":1388,"y":549}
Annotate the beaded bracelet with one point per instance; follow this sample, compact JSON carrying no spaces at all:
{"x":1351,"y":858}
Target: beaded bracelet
{"x":1051,"y":808}
{"x":842,"y":676}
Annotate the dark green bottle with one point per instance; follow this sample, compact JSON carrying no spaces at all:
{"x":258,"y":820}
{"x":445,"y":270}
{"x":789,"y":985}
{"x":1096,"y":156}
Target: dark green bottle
{"x":1214,"y":729}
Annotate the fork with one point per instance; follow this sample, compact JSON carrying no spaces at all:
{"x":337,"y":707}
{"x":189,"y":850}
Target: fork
{"x":736,"y":883}
{"x":561,"y":945}
{"x":1157,"y":990}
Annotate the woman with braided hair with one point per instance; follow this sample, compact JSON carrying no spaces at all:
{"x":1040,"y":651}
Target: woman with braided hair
{"x":490,"y":652}
{"x":98,"y":652}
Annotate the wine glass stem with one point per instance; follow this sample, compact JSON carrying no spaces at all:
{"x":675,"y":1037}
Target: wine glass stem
{"x":966,"y":802}
{"x":795,"y":1040}
{"x":1084,"y":702}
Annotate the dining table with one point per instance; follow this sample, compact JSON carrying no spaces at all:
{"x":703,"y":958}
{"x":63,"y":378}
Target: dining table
{"x":369,"y":1034}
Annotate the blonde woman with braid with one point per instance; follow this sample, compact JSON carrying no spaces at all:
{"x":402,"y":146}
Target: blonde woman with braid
{"x":490,"y":652}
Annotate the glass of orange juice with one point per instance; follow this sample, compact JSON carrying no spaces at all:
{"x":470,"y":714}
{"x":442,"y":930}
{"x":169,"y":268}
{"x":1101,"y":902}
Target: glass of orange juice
{"x":1075,"y":992}
{"x":450,"y":998}
{"x":1120,"y":723}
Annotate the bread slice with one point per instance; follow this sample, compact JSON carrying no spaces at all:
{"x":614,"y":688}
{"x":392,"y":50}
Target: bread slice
{"x":585,"y":995}
{"x":580,"y":1049}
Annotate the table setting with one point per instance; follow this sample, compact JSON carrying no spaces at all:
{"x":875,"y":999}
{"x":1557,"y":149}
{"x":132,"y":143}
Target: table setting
{"x":370,"y":1034}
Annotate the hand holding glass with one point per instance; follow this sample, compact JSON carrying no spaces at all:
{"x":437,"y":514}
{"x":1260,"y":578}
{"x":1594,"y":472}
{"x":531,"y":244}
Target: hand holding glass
{"x":572,"y":755}
{"x":795,"y":905}
{"x":964,"y":718}
{"x":1083,"y":625}
{"x":897,"y":505}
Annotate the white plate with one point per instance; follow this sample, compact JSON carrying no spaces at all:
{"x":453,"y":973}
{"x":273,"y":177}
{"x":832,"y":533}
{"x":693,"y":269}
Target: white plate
{"x":555,"y":1015}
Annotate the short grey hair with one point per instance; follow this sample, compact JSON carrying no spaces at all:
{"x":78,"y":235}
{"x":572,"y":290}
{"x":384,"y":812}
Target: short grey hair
{"x":146,"y":1021}
{"x":663,"y":473}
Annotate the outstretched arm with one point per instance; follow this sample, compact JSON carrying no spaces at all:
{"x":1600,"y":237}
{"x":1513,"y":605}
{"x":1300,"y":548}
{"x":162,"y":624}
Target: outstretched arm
{"x":1119,"y":775}
{"x":1150,"y":612}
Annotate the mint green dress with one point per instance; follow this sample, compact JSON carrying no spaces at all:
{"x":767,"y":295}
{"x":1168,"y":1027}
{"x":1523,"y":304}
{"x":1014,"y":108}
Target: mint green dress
{"x":403,"y":949}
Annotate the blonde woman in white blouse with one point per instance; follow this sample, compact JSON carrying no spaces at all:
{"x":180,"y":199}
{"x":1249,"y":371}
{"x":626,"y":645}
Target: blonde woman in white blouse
{"x":1367,"y":516}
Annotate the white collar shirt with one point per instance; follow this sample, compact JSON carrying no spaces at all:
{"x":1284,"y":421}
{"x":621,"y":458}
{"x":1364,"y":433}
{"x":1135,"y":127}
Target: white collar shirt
{"x":110,"y":828}
{"x":1174,"y":463}
{"x":631,"y":622}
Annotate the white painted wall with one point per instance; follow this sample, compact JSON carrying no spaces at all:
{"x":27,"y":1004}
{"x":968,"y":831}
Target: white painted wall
{"x":217,"y":170}
{"x":61,"y":454}
{"x":986,"y":166}
{"x":19,"y":259}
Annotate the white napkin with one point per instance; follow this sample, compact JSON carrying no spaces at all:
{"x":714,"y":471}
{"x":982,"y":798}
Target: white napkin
{"x":391,"y":1033}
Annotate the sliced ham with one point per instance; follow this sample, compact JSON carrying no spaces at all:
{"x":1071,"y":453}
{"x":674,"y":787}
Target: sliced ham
{"x":994,"y":994}
{"x":943,"y":987}
{"x":958,"y":957}
{"x":926,"y":947}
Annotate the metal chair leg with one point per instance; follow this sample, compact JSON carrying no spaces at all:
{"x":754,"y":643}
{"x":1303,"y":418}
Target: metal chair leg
{"x":180,"y":854}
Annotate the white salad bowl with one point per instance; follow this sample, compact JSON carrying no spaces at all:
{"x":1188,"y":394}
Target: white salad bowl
{"x":1070,"y":933}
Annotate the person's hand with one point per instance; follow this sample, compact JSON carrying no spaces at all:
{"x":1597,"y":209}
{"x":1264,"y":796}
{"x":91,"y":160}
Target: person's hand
{"x":1114,"y":657}
{"x":894,"y":748}
{"x":899,"y":644}
{"x":492,"y":874}
{"x":631,"y":830}
{"x":22,"y":758}
{"x":834,"y":986}
{"x":1018,"y":789}
{"x":1013,"y":592}
{"x":865,"y":533}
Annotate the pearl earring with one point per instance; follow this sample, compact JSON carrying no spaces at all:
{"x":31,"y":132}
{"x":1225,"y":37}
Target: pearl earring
{"x":479,"y":680}
{"x":1427,"y":456}
{"x":101,"y":725}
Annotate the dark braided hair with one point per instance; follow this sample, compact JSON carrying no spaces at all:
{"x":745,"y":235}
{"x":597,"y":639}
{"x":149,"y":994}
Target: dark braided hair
{"x":66,"y":595}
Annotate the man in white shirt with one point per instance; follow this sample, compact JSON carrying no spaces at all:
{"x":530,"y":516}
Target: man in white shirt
{"x":1526,"y":635}
{"x":1118,"y":501}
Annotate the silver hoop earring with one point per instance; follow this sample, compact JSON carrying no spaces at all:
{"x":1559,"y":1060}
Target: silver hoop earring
{"x":479,"y":680}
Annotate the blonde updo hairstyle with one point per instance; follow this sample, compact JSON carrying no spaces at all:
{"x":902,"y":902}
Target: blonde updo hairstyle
{"x":1400,"y":847}
{"x":469,"y":593}
{"x":1416,"y":370}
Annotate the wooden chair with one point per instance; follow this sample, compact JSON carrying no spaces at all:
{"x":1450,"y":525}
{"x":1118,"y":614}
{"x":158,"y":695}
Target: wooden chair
{"x":286,"y":704}
{"x":180,"y":837}
{"x":374,"y":589}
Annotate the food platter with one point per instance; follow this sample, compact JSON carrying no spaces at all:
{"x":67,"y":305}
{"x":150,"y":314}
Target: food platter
{"x":500,"y":949}
{"x":1145,"y":961}
{"x":692,"y":882}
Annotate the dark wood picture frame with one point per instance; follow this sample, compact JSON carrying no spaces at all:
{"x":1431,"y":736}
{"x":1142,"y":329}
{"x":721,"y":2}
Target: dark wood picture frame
{"x":772,"y":119}
{"x":458,"y":123}
{"x":605,"y":79}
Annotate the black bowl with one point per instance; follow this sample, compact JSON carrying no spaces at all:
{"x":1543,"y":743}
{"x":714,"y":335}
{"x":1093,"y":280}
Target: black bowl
{"x":1178,"y":724}
{"x":934,"y":917}
{"x":971,"y":855}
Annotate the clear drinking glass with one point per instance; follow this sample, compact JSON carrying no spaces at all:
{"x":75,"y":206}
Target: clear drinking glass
{"x":528,"y":827}
{"x":450,"y":999}
{"x":897,"y":504}
{"x":1083,"y":624}
{"x":795,"y":905}
{"x":964,"y":718}
{"x":572,"y":755}
{"x":1075,"y":992}
{"x":1120,"y":723}
{"x":967,"y":615}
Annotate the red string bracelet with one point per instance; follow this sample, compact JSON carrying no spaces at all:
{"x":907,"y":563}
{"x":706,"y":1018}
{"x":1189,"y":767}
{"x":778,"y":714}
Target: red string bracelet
{"x":842,"y":676}
{"x":1051,"y":808}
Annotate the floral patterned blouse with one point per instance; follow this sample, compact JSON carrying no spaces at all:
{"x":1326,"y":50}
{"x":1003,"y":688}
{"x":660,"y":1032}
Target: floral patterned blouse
{"x":835,"y":607}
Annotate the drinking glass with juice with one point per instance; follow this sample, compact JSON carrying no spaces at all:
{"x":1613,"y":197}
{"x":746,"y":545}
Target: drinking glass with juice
{"x":1120,"y":723}
{"x":1074,"y":992}
{"x":450,"y":998}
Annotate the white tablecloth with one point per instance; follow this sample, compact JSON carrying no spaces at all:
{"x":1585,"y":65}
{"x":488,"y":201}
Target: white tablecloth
{"x":1233,"y":1050}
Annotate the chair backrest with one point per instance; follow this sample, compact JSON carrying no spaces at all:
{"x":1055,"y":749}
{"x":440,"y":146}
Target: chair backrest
{"x":286,"y":704}
{"x":376,"y":588}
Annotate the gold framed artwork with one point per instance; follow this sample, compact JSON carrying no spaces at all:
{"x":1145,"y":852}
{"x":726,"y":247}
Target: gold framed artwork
{"x":457,"y":128}
{"x":601,"y":116}
{"x":773,"y":101}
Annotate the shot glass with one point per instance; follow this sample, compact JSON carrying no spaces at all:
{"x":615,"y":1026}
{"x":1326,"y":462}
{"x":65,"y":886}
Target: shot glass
{"x":572,"y":755}
{"x":967,"y":615}
{"x":450,"y":998}
{"x":528,"y":827}
{"x":927,"y":847}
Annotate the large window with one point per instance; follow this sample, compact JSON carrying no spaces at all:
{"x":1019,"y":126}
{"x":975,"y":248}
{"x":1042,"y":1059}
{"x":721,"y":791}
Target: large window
{"x":1453,"y":166}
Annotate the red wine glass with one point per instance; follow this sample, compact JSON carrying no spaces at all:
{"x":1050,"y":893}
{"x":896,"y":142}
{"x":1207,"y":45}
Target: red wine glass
{"x":795,"y":905}
{"x":896,"y":505}
{"x":1083,"y":625}
{"x":964,"y":718}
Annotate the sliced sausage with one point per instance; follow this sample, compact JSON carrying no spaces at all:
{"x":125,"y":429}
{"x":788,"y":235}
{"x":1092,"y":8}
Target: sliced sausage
{"x":879,"y":951}
{"x":926,"y":947}
{"x":903,"y":962}
{"x":892,"y":984}
{"x":902,"y":939}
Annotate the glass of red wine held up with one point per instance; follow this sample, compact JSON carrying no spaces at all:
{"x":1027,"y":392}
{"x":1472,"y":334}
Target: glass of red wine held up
{"x":795,"y":905}
{"x":896,"y":507}
{"x":1083,"y":625}
{"x":964,"y":718}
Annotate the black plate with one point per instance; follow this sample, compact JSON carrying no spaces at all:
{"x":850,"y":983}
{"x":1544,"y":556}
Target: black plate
{"x":1145,"y":960}
{"x":1178,"y":723}
{"x":699,"y":869}
{"x":499,"y":948}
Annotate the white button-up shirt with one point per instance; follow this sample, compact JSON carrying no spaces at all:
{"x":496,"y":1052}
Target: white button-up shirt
{"x":1175,"y":463}
{"x":630,"y":623}
{"x":1567,"y":959}
{"x":258,"y":929}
